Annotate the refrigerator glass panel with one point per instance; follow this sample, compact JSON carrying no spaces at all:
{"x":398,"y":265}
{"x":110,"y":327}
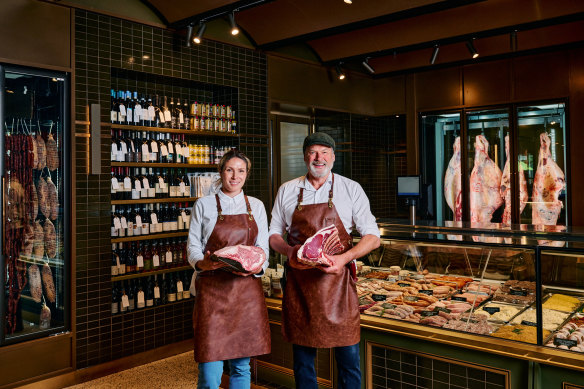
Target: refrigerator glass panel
{"x":441,"y":167}
{"x":34,"y":187}
{"x":541,"y":160}
{"x":486,"y":133}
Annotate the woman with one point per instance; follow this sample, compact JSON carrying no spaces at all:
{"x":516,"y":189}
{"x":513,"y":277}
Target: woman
{"x":230,"y":318}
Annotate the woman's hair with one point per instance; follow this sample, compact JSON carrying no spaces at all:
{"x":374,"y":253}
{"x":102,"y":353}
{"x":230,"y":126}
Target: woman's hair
{"x":234,"y":153}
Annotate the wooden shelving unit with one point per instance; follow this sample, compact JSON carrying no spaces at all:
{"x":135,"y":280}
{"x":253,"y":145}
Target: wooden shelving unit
{"x":154,"y":201}
{"x":150,"y":237}
{"x":170,"y":130}
{"x":150,"y":273}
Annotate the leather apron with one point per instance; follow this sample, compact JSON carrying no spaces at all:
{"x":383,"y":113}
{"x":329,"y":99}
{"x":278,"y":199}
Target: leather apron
{"x":230,"y":318}
{"x":319,"y":310}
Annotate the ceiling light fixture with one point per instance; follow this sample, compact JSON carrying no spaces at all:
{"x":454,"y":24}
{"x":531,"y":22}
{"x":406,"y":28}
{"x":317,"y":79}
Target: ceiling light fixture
{"x":189,"y":35}
{"x":348,"y":1}
{"x":340,"y":72}
{"x":473,"y":51}
{"x":434,"y":54}
{"x":234,"y":28}
{"x":366,"y":65}
{"x":199,"y":36}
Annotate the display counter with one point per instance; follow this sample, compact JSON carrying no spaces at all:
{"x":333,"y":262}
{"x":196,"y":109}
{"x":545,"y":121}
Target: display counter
{"x":482,"y":305}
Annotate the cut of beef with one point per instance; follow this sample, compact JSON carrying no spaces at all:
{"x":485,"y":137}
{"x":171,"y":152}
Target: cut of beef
{"x":325,"y":241}
{"x":245,"y":259}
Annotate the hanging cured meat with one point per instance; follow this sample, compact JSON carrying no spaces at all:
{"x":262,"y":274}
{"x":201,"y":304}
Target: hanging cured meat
{"x":35,"y":151}
{"x":52,"y":153}
{"x":15,"y":211}
{"x":50,"y":239}
{"x":34,"y":280}
{"x":39,"y":240}
{"x":41,"y":151}
{"x":53,"y":199}
{"x":452,"y":182}
{"x":506,"y":187}
{"x":547,"y":185}
{"x":33,"y":202}
{"x":45,"y":318}
{"x":43,"y":192}
{"x":28,"y":240}
{"x":48,"y":283}
{"x":485,"y":182}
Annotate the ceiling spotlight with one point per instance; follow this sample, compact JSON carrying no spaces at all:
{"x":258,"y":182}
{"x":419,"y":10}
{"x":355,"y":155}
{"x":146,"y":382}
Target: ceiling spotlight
{"x":199,"y":36}
{"x":234,"y":28}
{"x":513,"y":40}
{"x":189,"y":35}
{"x":434,"y":54}
{"x":367,"y":66}
{"x":348,"y":1}
{"x":471,"y":48}
{"x":340,"y":72}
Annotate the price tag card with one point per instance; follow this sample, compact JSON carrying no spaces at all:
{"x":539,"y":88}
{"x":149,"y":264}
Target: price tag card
{"x":168,"y":257}
{"x":125,"y":301}
{"x":411,"y":298}
{"x":138,"y":220}
{"x":183,"y":214}
{"x":179,"y":286}
{"x":170,"y":148}
{"x":114,"y":149}
{"x":528,"y":323}
{"x":154,"y":218}
{"x":491,"y":310}
{"x":388,"y":306}
{"x":164,"y":150}
{"x":161,"y":183}
{"x":438,"y":309}
{"x":145,"y":153}
{"x":137,"y":113}
{"x":124,"y":222}
{"x":118,"y":261}
{"x":137,"y":185}
{"x":518,"y":292}
{"x":429,"y":313}
{"x":140,"y":297}
{"x":124,"y":148}
{"x":161,"y":116}
{"x":117,"y":223}
{"x":178,"y":149}
{"x":155,"y":260}
{"x":456,"y":298}
{"x":151,"y":113}
{"x":428,"y":292}
{"x":565,"y":342}
{"x":182,"y":187}
{"x":122,"y":109}
{"x":156,"y":292}
{"x":115,"y":184}
{"x":140,"y":261}
{"x":181,"y":118}
{"x":379,"y":297}
{"x":154,"y":146}
{"x":127,"y":183}
{"x":145,"y":183}
{"x":403,"y":284}
{"x":167,"y":117}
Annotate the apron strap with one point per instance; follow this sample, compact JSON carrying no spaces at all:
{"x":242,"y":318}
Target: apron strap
{"x":299,"y":205}
{"x":330,"y":201}
{"x":248,"y":208}
{"x":219,"y":210}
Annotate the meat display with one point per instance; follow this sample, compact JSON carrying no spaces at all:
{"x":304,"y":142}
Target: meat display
{"x":245,"y":259}
{"x":35,"y":152}
{"x":33,"y":206}
{"x":38,"y":248}
{"x":506,"y":187}
{"x":452,"y":182}
{"x":519,"y":332}
{"x":547,"y":185}
{"x":324,"y":242}
{"x":516,"y":292}
{"x":28,"y":240}
{"x":43,"y":192}
{"x":48,"y":283}
{"x":570,"y":336}
{"x":53,"y":199}
{"x":562,"y":302}
{"x":52,"y":153}
{"x":34,"y":280}
{"x":485,"y":182}
{"x":50,"y":239}
{"x":45,"y":318}
{"x":41,"y":152}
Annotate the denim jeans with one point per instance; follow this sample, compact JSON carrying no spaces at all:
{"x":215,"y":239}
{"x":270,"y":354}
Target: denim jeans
{"x":348,"y":365}
{"x":239,"y":374}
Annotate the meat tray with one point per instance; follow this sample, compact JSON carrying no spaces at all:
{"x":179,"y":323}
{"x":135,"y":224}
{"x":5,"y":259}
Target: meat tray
{"x":497,"y":304}
{"x":573,"y":334}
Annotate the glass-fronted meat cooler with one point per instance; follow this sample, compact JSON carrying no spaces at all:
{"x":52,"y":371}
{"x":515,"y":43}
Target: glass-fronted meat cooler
{"x":35,"y":204}
{"x":504,"y":165}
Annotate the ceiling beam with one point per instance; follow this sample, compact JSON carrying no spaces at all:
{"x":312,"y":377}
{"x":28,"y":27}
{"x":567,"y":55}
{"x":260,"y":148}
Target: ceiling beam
{"x":217,"y":12}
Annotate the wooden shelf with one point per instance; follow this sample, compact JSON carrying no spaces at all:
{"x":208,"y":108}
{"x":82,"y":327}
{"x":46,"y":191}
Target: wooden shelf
{"x":154,"y":201}
{"x":151,"y":273}
{"x":150,"y":237}
{"x":149,"y":164}
{"x":169,"y":130}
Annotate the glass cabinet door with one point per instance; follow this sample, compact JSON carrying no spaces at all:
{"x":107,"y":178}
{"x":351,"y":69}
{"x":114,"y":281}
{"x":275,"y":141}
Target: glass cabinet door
{"x":35,"y":186}
{"x":488,"y":165}
{"x":541,"y":159}
{"x":441,"y":163}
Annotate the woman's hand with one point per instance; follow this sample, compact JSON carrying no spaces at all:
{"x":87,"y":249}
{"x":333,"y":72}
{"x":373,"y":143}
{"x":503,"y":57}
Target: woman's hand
{"x":206,"y":264}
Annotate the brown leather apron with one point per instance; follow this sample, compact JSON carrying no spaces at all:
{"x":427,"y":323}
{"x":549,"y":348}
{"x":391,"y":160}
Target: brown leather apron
{"x":319,"y":310}
{"x":230,"y":318}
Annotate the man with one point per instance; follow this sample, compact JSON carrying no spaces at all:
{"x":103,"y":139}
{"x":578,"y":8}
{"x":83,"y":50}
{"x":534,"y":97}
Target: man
{"x":320,"y":308}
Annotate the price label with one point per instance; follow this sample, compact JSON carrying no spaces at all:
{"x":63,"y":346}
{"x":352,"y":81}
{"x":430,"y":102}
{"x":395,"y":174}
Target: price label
{"x":179,"y":286}
{"x":440,"y":309}
{"x":137,"y":113}
{"x":115,"y":184}
{"x":124,"y":148}
{"x":117,"y":223}
{"x":127,"y":183}
{"x":118,"y":261}
{"x":151,"y":113}
{"x":565,"y":342}
{"x":379,"y":297}
{"x":182,"y":187}
{"x":122,"y":109}
{"x":181,"y":118}
{"x":492,"y":310}
{"x":138,"y":220}
{"x":164,"y":150}
{"x":428,"y":313}
{"x":411,"y":298}
{"x":145,"y":153}
{"x":124,"y":222}
{"x":428,"y":292}
{"x":145,"y":183}
{"x":388,"y":306}
{"x":154,"y":218}
{"x":458,"y":298}
{"x":403,"y":284}
{"x":528,"y":323}
{"x":155,"y":260}
{"x":125,"y":301}
{"x":518,"y":292}
{"x":168,"y":257}
{"x":140,"y":261}
{"x":178,"y":149}
{"x":183,"y":214}
{"x":154,"y":146}
{"x":170,"y":148}
{"x":167,"y":117}
{"x":161,"y":183}
{"x":114,"y":149}
{"x":156,"y":292}
{"x":161,"y":116}
{"x":140,"y":298}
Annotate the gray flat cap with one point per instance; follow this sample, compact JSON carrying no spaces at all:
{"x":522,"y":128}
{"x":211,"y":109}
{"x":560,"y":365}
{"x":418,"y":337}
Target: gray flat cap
{"x":318,"y":138}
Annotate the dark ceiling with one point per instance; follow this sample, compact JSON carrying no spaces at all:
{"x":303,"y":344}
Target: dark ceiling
{"x":396,"y":35}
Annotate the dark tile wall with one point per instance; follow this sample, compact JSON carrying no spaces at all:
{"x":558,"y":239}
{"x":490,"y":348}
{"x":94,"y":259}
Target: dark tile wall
{"x":104,"y":48}
{"x":371,"y":151}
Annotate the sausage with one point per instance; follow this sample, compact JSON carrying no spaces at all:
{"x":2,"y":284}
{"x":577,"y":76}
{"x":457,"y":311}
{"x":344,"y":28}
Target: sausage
{"x":43,"y":192}
{"x":53,"y":199}
{"x":52,"y":153}
{"x":50,"y":239}
{"x":35,"y":152}
{"x":42,"y":152}
{"x":34,"y":281}
{"x":48,"y":283}
{"x":28,"y":240}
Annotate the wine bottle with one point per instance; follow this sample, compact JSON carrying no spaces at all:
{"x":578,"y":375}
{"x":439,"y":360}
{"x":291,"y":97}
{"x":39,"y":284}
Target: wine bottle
{"x":137,"y":110}
{"x":172,"y":110}
{"x":154,"y":222}
{"x":155,"y":256}
{"x":173,"y":213}
{"x":179,"y":288}
{"x":168,"y":254}
{"x":140,"y":297}
{"x":186,"y":285}
{"x":170,"y":147}
{"x":167,"y":118}
{"x":145,"y":221}
{"x":124,"y":301}
{"x":121,"y":108}
{"x":123,"y":254}
{"x":171,"y":290}
{"x":131,"y":298}
{"x":156,"y":292}
{"x":149,"y":294}
{"x":139,"y":259}
{"x":115,"y":300}
{"x":115,"y":266}
{"x":129,"y":108}
{"x":113,"y":107}
{"x":127,"y":184}
{"x":187,"y":115}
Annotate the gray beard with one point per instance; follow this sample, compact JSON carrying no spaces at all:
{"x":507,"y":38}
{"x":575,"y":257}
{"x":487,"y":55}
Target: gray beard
{"x":315,"y":174}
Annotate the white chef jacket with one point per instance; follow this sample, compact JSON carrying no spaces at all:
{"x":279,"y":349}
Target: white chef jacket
{"x":204,"y":217}
{"x":349,"y":199}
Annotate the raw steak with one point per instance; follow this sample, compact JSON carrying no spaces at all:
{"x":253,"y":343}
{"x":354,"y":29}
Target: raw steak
{"x":41,"y":151}
{"x":34,"y":281}
{"x":485,"y":181}
{"x":452,"y":182}
{"x":52,"y":153}
{"x":50,"y":239}
{"x":506,"y":187}
{"x":325,"y":241}
{"x":245,"y":259}
{"x":547,"y":185}
{"x":48,"y":283}
{"x":43,"y":192}
{"x":53,"y":199}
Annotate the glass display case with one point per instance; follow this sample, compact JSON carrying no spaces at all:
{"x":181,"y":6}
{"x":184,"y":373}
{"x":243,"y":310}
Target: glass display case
{"x":525,"y":284}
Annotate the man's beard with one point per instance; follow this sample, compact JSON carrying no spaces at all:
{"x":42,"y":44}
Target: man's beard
{"x":320,"y":174}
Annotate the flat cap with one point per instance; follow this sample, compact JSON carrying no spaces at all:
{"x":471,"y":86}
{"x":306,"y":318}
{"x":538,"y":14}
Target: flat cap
{"x":318,"y":138}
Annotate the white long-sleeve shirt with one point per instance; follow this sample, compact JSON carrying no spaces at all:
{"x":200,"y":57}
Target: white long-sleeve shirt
{"x":349,"y":199}
{"x":204,"y":217}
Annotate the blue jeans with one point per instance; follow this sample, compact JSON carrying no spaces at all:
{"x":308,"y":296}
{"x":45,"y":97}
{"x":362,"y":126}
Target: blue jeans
{"x":239,"y":374}
{"x":348,"y":365}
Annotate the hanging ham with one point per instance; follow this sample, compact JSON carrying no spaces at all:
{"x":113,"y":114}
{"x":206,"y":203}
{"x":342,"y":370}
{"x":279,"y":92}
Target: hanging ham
{"x":48,"y":283}
{"x":41,"y":151}
{"x":506,"y":187}
{"x":485,"y":182}
{"x":50,"y":239}
{"x":43,"y":193}
{"x":547,"y":185}
{"x":34,"y":281}
{"x":52,"y":153}
{"x":28,"y":240}
{"x":53,"y":199}
{"x":38,"y":247}
{"x":35,"y":151}
{"x":452,"y":182}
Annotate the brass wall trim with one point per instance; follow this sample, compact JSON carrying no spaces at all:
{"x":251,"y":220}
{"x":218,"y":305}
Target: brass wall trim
{"x":77,"y":135}
{"x":566,"y":385}
{"x":368,"y":359}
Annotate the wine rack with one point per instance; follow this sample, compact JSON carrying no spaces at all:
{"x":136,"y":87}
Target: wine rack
{"x":149,"y":237}
{"x":170,"y":130}
{"x":167,"y":165}
{"x":155,"y":200}
{"x":150,"y":273}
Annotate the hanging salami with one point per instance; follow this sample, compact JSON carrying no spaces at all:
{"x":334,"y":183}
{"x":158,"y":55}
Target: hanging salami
{"x":41,"y":151}
{"x":50,"y":239}
{"x":35,"y":152}
{"x":34,"y":279}
{"x":48,"y":283}
{"x":53,"y":199}
{"x":52,"y":153}
{"x":45,"y":318}
{"x":39,"y":240}
{"x":32,"y":206}
{"x":43,"y":192}
{"x":28,"y":240}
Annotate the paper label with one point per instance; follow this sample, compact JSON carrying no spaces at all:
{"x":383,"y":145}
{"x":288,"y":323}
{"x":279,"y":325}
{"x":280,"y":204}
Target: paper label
{"x":181,"y":187}
{"x":127,"y":183}
{"x":565,"y":342}
{"x":122,"y":109}
{"x":115,"y":183}
{"x":457,"y":298}
{"x":518,"y":292}
{"x":528,"y":323}
{"x":154,"y":146}
{"x":440,"y":309}
{"x":156,"y":292}
{"x":138,"y":220}
{"x":137,"y":185}
{"x":154,"y":218}
{"x":155,"y":260}
{"x":403,"y":285}
{"x":145,"y":153}
{"x":179,"y":286}
{"x":181,"y":118}
{"x":140,"y":261}
{"x":137,"y":113}
{"x":117,"y":224}
{"x":183,"y":214}
{"x":167,"y":117}
{"x":125,"y":301}
{"x":379,"y":297}
{"x":114,"y":149}
{"x":168,"y":257}
{"x":170,"y":148}
{"x":178,"y":149}
{"x":124,"y":148}
{"x":388,"y":306}
{"x":161,"y":183}
{"x":428,"y":292}
{"x":129,"y":115}
{"x":428,"y":313}
{"x":411,"y":298}
{"x":161,"y":117}
{"x":491,"y":310}
{"x":145,"y":183}
{"x":164,"y":150}
{"x":140,"y":298}
{"x":151,"y":113}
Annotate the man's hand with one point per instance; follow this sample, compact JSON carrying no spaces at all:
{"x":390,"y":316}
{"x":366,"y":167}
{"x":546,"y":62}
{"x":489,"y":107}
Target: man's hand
{"x":339,"y":262}
{"x":293,"y":259}
{"x":207,"y":264}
